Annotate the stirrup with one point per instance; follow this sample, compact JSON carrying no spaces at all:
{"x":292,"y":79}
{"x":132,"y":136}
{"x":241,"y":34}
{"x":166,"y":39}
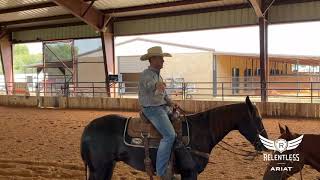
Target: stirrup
{"x":147,"y":160}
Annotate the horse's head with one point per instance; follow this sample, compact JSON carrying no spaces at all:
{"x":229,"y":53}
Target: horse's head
{"x":286,"y":134}
{"x":296,"y":166}
{"x":251,"y":125}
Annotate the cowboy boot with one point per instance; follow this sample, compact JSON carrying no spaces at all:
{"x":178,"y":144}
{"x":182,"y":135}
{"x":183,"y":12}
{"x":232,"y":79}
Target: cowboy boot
{"x":169,"y":173}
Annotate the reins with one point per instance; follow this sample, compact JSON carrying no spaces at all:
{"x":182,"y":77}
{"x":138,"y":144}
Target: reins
{"x":207,"y":155}
{"x":249,"y":153}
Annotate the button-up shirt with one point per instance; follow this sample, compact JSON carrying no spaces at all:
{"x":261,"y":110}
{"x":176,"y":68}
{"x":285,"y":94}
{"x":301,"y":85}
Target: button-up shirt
{"x":148,"y":95}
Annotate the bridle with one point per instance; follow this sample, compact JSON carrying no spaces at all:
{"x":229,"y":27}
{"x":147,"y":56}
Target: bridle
{"x":252,"y":154}
{"x":206,"y":156}
{"x":287,"y":174}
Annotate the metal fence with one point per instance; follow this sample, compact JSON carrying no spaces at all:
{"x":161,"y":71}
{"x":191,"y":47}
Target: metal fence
{"x":308,"y":92}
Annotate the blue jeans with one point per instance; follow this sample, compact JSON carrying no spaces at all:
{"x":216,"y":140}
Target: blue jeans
{"x":158,"y":115}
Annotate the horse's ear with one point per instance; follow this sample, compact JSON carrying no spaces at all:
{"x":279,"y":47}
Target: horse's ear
{"x":287,"y":129}
{"x":249,"y":103}
{"x":282,"y":130}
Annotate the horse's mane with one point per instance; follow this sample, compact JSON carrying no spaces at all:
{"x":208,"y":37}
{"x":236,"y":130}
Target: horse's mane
{"x":216,"y":109}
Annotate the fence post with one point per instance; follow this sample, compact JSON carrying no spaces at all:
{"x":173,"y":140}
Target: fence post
{"x":183,"y":91}
{"x":222,"y":93}
{"x":311,"y":92}
{"x":119,"y":89}
{"x":92,"y":89}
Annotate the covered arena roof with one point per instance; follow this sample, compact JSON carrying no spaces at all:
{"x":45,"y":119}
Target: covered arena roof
{"x":32,"y":20}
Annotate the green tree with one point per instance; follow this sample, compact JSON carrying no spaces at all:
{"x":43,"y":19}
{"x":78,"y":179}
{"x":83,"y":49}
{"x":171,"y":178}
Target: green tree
{"x":22,"y":57}
{"x":59,"y":51}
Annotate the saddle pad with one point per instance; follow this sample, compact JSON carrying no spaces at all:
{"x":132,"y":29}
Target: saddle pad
{"x":136,"y":126}
{"x":132,"y":133}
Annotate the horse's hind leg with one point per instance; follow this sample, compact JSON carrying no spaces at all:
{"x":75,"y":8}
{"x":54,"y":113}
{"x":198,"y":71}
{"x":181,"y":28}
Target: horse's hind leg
{"x":103,"y":172}
{"x":109,"y":169}
{"x":91,"y":175}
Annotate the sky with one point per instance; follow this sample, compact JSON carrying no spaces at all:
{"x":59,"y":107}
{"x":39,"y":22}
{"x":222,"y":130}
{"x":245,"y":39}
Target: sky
{"x":287,"y":39}
{"x":83,"y":45}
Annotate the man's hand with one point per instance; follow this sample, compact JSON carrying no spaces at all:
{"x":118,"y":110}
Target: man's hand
{"x":175,"y":105}
{"x":160,"y":86}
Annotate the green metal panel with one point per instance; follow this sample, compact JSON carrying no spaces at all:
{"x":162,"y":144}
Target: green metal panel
{"x":80,"y":31}
{"x":210,"y":20}
{"x":295,"y":12}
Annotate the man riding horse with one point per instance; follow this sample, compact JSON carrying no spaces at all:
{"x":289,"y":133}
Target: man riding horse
{"x":155,"y":104}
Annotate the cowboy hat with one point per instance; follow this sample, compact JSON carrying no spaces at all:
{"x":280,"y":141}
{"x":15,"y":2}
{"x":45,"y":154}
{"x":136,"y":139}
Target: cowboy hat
{"x":154,"y":51}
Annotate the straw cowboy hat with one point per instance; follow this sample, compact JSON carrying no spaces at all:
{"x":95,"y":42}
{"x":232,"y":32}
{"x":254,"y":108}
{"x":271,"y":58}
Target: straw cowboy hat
{"x":154,"y":51}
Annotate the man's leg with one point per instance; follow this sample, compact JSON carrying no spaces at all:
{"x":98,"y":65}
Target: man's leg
{"x":159,"y":118}
{"x":183,"y":157}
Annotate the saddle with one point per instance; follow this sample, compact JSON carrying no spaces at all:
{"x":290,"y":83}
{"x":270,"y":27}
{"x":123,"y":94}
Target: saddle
{"x":137,"y":127}
{"x":139,"y":132}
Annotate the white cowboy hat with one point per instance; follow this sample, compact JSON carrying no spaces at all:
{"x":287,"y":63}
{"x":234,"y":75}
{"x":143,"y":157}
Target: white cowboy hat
{"x":154,"y":51}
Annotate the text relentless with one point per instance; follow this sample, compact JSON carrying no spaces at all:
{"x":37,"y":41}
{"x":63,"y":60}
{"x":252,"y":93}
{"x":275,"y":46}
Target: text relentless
{"x":280,"y":157}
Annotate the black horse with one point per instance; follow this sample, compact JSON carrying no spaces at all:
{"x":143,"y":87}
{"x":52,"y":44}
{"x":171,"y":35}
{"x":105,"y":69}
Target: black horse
{"x":102,"y":140}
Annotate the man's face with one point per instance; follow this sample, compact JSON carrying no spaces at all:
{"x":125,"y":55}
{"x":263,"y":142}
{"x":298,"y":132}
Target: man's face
{"x":157,"y":62}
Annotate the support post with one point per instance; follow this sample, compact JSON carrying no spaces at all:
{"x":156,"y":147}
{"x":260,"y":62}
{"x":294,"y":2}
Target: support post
{"x":264,"y":68}
{"x":107,"y":39}
{"x":7,"y":61}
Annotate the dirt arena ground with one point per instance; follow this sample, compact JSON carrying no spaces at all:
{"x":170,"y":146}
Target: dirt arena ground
{"x":44,"y":144}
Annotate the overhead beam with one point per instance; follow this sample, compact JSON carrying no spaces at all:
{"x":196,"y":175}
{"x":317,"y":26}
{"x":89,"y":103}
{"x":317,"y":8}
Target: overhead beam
{"x":3,"y":32}
{"x":256,"y":4}
{"x":46,"y":26}
{"x":182,"y":3}
{"x":267,"y":6}
{"x":93,"y":16}
{"x":156,"y":6}
{"x":185,"y":12}
{"x":32,"y":20}
{"x":27,"y":7}
{"x":135,"y":8}
{"x":277,"y":2}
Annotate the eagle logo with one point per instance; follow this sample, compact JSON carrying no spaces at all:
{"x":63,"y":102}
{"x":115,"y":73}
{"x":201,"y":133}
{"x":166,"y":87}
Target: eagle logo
{"x":280,"y":145}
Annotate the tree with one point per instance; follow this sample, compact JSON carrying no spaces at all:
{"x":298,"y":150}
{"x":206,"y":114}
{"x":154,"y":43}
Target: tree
{"x":59,"y":51}
{"x":22,"y":57}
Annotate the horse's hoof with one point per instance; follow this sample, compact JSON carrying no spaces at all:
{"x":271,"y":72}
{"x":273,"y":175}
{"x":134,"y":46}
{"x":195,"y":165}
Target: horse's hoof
{"x":176,"y":177}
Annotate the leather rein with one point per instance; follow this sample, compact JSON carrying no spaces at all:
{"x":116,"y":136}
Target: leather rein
{"x":207,"y":155}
